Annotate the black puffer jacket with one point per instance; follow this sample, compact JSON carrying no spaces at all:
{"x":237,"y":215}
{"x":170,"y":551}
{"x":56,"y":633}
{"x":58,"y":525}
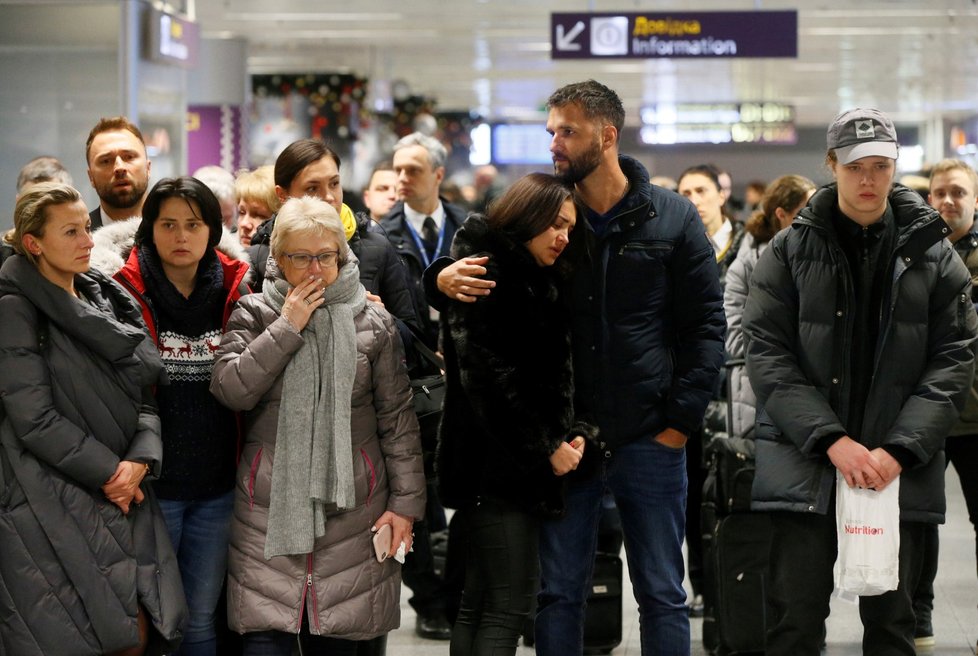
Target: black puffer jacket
{"x":648,"y":317}
{"x":509,"y":400}
{"x":798,"y":322}
{"x":73,"y":378}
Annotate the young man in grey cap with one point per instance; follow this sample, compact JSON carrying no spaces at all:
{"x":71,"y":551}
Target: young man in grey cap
{"x":860,"y":335}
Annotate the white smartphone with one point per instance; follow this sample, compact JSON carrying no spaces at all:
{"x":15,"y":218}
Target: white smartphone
{"x":382,"y":542}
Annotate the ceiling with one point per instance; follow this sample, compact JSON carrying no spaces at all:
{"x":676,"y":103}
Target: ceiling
{"x":915,"y":60}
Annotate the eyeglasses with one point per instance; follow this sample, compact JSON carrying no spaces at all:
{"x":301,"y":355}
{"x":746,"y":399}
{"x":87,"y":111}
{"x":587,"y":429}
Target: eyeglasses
{"x":304,"y":260}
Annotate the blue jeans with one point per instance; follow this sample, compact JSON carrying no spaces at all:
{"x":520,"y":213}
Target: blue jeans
{"x":648,"y":481}
{"x":199,"y":533}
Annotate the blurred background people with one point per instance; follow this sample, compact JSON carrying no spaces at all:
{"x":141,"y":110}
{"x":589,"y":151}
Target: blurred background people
{"x":488,"y":184}
{"x":380,"y":194}
{"x":664,"y":181}
{"x":83,"y":569}
{"x":221,"y":183}
{"x":42,"y":169}
{"x":331,"y":451}
{"x":753,"y":193}
{"x":254,"y":192}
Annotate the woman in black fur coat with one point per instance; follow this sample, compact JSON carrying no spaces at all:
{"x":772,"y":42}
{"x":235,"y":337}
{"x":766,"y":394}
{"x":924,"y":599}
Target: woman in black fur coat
{"x":508,"y":432}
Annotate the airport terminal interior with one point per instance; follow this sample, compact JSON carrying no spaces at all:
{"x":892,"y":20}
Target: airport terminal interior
{"x":749,"y":86}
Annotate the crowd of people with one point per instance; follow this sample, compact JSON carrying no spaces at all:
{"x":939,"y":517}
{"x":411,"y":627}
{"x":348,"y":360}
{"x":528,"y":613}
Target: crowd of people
{"x":208,"y":441}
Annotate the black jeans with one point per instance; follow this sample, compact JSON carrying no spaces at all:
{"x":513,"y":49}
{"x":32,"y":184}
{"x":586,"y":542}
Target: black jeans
{"x":279,"y":643}
{"x":803,"y":552}
{"x":502,"y":574}
{"x":962,"y":452}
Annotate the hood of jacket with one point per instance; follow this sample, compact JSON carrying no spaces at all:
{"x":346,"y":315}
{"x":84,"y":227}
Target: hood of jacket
{"x":909,"y":212}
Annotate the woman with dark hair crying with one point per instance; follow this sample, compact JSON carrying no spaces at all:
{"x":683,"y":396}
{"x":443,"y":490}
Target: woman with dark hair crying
{"x":508,"y":432}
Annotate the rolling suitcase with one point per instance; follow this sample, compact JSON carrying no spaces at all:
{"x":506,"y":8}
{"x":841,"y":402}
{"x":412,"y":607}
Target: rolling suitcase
{"x":736,"y":548}
{"x":735,"y":618}
{"x":602,"y":617}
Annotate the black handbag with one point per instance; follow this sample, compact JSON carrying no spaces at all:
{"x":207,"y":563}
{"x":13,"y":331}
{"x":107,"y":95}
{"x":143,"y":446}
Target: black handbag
{"x":429,"y":396}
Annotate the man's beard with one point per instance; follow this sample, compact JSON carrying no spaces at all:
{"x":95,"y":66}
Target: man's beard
{"x":122,"y":199}
{"x":577,"y":170}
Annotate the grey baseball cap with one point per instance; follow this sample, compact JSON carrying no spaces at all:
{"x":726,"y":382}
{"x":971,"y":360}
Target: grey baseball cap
{"x":859,"y":133}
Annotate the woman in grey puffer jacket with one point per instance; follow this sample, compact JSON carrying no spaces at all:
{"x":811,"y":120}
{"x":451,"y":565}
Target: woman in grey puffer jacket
{"x":86,"y":565}
{"x":782,"y":201}
{"x":331,"y":451}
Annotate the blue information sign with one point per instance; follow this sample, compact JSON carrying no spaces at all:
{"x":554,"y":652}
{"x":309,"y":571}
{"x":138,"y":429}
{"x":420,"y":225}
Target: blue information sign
{"x":668,"y":35}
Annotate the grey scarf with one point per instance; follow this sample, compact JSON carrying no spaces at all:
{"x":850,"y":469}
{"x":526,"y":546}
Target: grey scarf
{"x":312,"y":473}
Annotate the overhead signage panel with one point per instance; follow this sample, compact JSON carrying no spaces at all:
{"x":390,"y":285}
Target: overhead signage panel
{"x":757,"y":122}
{"x":172,"y":40}
{"x":704,"y":34}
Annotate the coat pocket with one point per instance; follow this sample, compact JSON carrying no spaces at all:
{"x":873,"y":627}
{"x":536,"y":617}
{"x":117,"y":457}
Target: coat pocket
{"x":252,"y":474}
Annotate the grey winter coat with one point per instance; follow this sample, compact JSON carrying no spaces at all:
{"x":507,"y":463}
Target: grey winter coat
{"x":798,"y":322}
{"x":341,"y":586}
{"x":735,"y":291}
{"x":73,"y":378}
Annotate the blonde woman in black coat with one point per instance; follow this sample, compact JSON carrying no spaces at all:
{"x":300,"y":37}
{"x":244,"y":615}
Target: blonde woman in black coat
{"x":86,"y":565}
{"x":508,"y":432}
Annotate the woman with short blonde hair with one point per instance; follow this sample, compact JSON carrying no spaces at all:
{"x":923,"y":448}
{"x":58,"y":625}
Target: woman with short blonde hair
{"x":254,"y":192}
{"x":318,"y":371}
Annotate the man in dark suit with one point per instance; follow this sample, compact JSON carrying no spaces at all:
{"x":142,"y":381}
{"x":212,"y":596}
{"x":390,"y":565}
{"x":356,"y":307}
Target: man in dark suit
{"x":421,"y":225}
{"x":118,"y":169}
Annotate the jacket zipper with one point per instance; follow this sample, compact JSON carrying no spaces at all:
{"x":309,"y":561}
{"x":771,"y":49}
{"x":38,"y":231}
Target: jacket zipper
{"x":309,"y":589}
{"x":653,"y":246}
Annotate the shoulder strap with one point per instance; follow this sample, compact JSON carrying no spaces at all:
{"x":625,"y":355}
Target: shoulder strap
{"x":422,"y":348}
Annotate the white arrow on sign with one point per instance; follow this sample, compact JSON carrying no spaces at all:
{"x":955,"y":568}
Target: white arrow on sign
{"x":566,"y":41}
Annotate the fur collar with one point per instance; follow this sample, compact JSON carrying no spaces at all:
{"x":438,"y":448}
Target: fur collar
{"x":114,"y":242}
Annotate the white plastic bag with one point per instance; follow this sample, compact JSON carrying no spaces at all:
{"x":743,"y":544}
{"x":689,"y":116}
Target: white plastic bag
{"x":868,"y":529}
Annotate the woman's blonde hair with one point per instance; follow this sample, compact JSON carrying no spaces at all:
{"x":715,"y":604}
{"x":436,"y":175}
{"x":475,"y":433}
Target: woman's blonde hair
{"x":257,"y":186}
{"x":30,"y":213}
{"x":307,"y":217}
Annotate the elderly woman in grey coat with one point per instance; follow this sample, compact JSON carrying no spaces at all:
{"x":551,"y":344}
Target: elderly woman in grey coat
{"x":331,"y":453}
{"x":86,"y":566}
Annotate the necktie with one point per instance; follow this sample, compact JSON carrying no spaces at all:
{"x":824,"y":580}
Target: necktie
{"x":429,"y":234}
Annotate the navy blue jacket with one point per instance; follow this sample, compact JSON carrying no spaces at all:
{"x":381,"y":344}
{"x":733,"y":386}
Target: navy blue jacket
{"x":648,"y":317}
{"x":648,"y":322}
